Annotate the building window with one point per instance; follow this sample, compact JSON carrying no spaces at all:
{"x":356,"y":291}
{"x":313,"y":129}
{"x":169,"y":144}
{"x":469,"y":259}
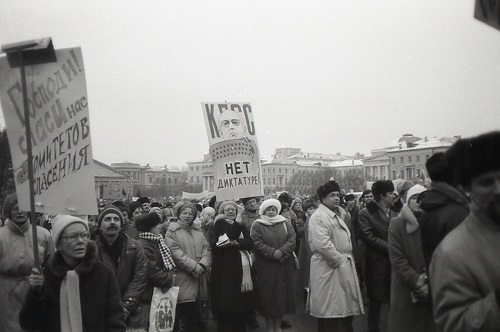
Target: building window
{"x":197,"y":178}
{"x":175,"y":180}
{"x":409,"y":159}
{"x":197,"y":168}
{"x":286,"y":170}
{"x":192,"y":179}
{"x":293,"y":171}
{"x":169,"y":180}
{"x":157,"y":180}
{"x":264,"y":181}
{"x":274,"y":170}
{"x":279,"y":171}
{"x":281,"y":181}
{"x":402,"y":174}
{"x":274,"y":181}
{"x":150,"y":179}
{"x":393,"y":175}
{"x":418,"y":159}
{"x":192,"y":168}
{"x":393,"y":160}
{"x":402,"y":160}
{"x":286,"y":181}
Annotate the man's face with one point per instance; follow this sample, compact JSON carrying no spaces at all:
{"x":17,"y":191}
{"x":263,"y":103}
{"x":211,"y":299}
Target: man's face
{"x":231,"y":126}
{"x":389,"y":197}
{"x":124,"y":214}
{"x":350,"y":204}
{"x":145,"y":207}
{"x":310,"y":210}
{"x":110,"y":225}
{"x":368,"y":198}
{"x":485,"y":192}
{"x":137,"y":213}
{"x":251,"y":205}
{"x":297,"y":206}
{"x":332,"y":200}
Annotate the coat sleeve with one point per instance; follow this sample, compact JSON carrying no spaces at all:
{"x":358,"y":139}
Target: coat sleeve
{"x":458,"y":305}
{"x":289,"y":245}
{"x":115,"y":315}
{"x":133,"y":294}
{"x":367,"y":236}
{"x":181,"y":259}
{"x":260,"y":248}
{"x":206,"y":253}
{"x":319,"y":237}
{"x":400,"y":263}
{"x":156,"y":276}
{"x":33,"y":314}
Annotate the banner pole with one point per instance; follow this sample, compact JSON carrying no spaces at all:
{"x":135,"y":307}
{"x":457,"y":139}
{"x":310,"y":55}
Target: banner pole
{"x":29,"y":149}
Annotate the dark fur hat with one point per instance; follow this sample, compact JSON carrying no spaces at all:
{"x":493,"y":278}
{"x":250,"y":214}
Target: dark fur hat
{"x":327,"y":188}
{"x":122,"y":206}
{"x":438,"y":169}
{"x":382,"y":186}
{"x":349,"y":197}
{"x":143,"y":200}
{"x":147,"y":221}
{"x":474,"y":156}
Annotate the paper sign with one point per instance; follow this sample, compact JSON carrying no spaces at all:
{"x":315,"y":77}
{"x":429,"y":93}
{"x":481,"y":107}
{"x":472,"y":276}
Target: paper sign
{"x":234,"y":150}
{"x":60,"y":134}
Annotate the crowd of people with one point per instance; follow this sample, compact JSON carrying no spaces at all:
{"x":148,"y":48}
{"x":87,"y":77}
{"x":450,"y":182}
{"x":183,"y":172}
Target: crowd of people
{"x":429,"y":252}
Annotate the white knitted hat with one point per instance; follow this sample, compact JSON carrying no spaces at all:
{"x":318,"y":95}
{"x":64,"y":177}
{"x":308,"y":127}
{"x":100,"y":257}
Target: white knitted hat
{"x":415,"y":190}
{"x":268,"y":203}
{"x":60,"y":222}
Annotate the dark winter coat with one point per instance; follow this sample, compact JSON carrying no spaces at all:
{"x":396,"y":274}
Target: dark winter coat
{"x":130,"y":272}
{"x":444,"y":209}
{"x":374,"y":230}
{"x":407,"y":260}
{"x":275,"y":279}
{"x":156,"y":276}
{"x":102,"y":309}
{"x":226,"y":274}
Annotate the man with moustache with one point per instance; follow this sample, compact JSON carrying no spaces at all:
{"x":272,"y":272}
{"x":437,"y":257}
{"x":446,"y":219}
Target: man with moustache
{"x":465,"y":268}
{"x":126,"y":258}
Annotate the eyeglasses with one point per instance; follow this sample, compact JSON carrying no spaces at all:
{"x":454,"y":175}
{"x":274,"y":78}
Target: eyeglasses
{"x":73,"y":238}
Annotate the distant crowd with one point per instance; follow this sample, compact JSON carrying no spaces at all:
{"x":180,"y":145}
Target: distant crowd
{"x":431,"y":254}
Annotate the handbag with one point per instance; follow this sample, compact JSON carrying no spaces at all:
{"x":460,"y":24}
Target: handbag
{"x":202,"y":304}
{"x":162,"y":312}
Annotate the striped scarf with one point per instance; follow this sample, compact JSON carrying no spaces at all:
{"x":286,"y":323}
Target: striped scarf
{"x":166,"y":256}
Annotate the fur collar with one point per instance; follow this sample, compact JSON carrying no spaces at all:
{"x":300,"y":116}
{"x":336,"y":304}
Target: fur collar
{"x":409,"y":219}
{"x":451,"y":192}
{"x":59,"y":267}
{"x":372,"y":207}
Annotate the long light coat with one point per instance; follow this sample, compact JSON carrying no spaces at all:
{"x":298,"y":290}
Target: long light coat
{"x":16,"y":262}
{"x":334,"y":283}
{"x":189,"y":247}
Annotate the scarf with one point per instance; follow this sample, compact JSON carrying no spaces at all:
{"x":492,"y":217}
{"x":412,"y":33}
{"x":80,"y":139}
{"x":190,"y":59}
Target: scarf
{"x":265,"y":220}
{"x":71,"y":311}
{"x":246,"y":280}
{"x":166,"y":256}
{"x":410,"y":219}
{"x":115,"y":249}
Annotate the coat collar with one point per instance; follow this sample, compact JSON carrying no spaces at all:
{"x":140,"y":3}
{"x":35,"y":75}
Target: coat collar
{"x":409,"y":219}
{"x":20,"y":230}
{"x":59,"y":267}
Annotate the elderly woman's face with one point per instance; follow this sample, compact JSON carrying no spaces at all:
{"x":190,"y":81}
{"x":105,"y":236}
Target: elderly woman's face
{"x":230,"y":212}
{"x":17,"y":216}
{"x":187,"y":215}
{"x":271,"y":211}
{"x":73,"y":242}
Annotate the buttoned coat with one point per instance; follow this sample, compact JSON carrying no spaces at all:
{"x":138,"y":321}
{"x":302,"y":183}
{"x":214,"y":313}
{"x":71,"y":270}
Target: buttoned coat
{"x":335,"y":291}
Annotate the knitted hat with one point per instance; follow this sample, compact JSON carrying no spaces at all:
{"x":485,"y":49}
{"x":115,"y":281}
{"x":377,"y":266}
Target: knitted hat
{"x":415,"y":190}
{"x":147,"y":221}
{"x":60,"y":222}
{"x":208,"y":211}
{"x":295,"y":201}
{"x":133,"y":206}
{"x":474,"y":156}
{"x":10,"y":202}
{"x":107,"y":210}
{"x":226,"y":203}
{"x":438,"y":169}
{"x":327,"y":188}
{"x":180,"y":206}
{"x":268,"y":203}
{"x":382,"y":186}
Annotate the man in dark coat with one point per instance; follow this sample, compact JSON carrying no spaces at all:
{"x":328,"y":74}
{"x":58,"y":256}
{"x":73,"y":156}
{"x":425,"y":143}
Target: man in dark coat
{"x":374,"y":226}
{"x":126,"y":258}
{"x":444,"y":206}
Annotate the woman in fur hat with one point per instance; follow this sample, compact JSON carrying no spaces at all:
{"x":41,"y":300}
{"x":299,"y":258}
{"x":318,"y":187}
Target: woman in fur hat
{"x":274,"y":241}
{"x":191,"y":254}
{"x":231,"y":281}
{"x":76,"y":293}
{"x":17,"y":260}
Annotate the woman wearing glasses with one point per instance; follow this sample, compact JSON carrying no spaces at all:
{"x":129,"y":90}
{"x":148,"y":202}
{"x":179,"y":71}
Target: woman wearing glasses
{"x":76,"y":291}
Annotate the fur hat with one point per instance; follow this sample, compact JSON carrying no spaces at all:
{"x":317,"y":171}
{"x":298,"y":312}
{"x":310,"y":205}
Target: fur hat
{"x":295,"y":201}
{"x":438,"y":169}
{"x":382,"y":186}
{"x":415,"y":190}
{"x":268,"y":203}
{"x":327,"y":188}
{"x":134,"y":206}
{"x":474,"y":156}
{"x":208,"y":211}
{"x":143,"y":200}
{"x":155,"y":204}
{"x":147,"y":221}
{"x":122,"y":206}
{"x":107,"y":210}
{"x":181,"y":205}
{"x":10,"y":202}
{"x":244,"y":200}
{"x":285,"y":197}
{"x":226,"y":203}
{"x":60,"y":222}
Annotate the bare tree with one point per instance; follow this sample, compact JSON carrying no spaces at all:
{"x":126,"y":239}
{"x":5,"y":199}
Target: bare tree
{"x":7,"y":185}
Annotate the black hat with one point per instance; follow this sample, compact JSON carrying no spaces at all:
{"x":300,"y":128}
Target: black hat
{"x":143,"y":200}
{"x":285,"y":197}
{"x":155,"y":204}
{"x":349,"y":197}
{"x":122,"y":206}
{"x":244,"y":200}
{"x":382,"y":186}
{"x":474,"y":156}
{"x":438,"y":169}
{"x":134,"y":206}
{"x":327,"y":188}
{"x":147,"y":221}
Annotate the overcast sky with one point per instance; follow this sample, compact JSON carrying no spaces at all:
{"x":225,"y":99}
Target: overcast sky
{"x":324,"y":76}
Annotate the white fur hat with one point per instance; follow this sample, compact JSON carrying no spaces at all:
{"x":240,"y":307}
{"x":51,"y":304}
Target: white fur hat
{"x":268,"y":203}
{"x":415,"y":190}
{"x":61,"y":222}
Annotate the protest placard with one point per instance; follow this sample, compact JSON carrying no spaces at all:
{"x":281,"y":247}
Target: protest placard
{"x":234,"y":150}
{"x":60,"y":134}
